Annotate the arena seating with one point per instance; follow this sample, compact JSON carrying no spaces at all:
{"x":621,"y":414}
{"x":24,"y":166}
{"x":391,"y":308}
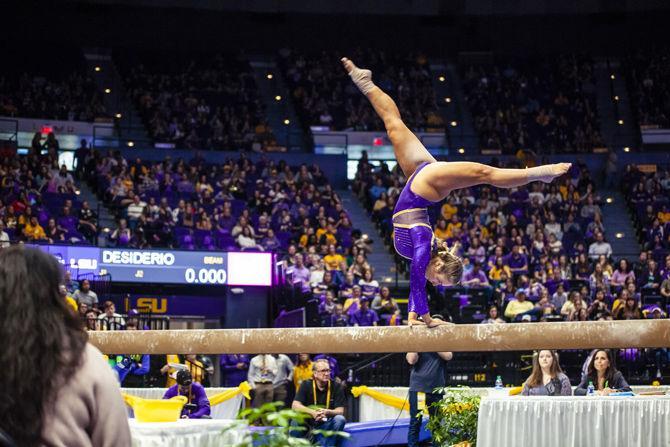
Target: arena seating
{"x":196,"y":101}
{"x":540,"y":104}
{"x":325,"y":96}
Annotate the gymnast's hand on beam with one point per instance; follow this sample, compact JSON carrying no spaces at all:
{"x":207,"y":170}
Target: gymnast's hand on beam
{"x":435,"y":322}
{"x":415,"y":322}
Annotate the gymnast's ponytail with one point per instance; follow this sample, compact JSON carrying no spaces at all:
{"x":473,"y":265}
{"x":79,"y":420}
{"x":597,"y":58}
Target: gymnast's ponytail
{"x":452,"y":264}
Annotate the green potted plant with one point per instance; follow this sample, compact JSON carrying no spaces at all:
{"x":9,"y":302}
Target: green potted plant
{"x":456,"y":420}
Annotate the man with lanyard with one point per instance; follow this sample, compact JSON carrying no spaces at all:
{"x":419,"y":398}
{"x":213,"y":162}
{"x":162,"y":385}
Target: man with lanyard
{"x":324,"y":400}
{"x":197,"y":406}
{"x":428,"y":373}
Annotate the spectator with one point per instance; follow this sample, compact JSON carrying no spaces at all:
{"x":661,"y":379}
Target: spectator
{"x":234,"y":369}
{"x":428,"y":374}
{"x":301,"y":273}
{"x":338,"y":319}
{"x":599,"y":310}
{"x":578,"y":310}
{"x":517,"y":261}
{"x":629,"y":311}
{"x":369,"y":285}
{"x":33,"y":231}
{"x":196,"y":367}
{"x":86,"y":295}
{"x":246,"y":240}
{"x":519,"y":306}
{"x":546,"y":378}
{"x":621,"y":274}
{"x":384,"y":304}
{"x":302,"y":370}
{"x":476,"y":277}
{"x":599,"y":247}
{"x":352,"y":304}
{"x":262,"y":372}
{"x":312,"y":398}
{"x":132,"y":369}
{"x":47,"y":411}
{"x":110,"y":320}
{"x":364,"y":316}
{"x":651,"y":278}
{"x":492,"y":316}
{"x":197,"y":406}
{"x":333,"y":260}
{"x":603,"y":374}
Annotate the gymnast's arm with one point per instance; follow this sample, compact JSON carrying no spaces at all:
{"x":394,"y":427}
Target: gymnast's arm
{"x":421,"y":241}
{"x":438,"y":179}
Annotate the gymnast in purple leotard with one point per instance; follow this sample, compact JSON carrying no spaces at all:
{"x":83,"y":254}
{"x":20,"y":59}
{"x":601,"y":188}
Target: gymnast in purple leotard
{"x":429,"y":182}
{"x":413,"y":239}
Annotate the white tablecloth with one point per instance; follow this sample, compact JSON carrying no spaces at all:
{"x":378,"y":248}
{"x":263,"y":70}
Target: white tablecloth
{"x":372,"y":410}
{"x":185,"y":433}
{"x":640,"y":421}
{"x":224,"y":410}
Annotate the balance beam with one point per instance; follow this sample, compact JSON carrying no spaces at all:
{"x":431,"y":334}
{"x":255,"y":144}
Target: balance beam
{"x":455,"y":338}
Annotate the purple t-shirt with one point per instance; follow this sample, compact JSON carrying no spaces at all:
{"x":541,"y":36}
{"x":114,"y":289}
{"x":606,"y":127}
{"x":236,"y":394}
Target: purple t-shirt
{"x":196,"y":396}
{"x":475,"y":275}
{"x":363,"y":318}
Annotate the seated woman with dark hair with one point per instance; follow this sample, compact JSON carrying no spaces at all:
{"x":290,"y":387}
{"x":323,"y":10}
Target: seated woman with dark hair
{"x":603,"y":374}
{"x":547,"y":378}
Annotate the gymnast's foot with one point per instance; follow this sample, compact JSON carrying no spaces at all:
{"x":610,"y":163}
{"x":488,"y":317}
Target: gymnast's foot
{"x":549,"y":172}
{"x":361,"y":77}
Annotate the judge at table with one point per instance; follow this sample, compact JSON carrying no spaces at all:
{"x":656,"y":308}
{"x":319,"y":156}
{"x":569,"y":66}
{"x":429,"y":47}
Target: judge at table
{"x":547,"y":378}
{"x":604,"y":375}
{"x":197,"y":406}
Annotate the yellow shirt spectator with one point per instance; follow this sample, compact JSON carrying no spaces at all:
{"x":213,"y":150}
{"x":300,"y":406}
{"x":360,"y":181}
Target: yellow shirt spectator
{"x":451,"y":226}
{"x":34,"y":232}
{"x":333,"y":262}
{"x":440,"y":233}
{"x":495,"y":273}
{"x":664,"y":217}
{"x":516,"y":307}
{"x":448,"y":210}
{"x":302,"y":372}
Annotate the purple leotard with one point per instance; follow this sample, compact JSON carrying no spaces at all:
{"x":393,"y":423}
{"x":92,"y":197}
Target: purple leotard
{"x":413,"y":239}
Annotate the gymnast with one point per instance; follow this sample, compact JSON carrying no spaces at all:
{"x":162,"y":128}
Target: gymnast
{"x":428,"y":182}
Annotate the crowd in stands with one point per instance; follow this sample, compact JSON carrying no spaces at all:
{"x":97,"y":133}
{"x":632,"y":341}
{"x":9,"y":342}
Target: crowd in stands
{"x":210,"y":102}
{"x":39,"y":201}
{"x":650,"y":89}
{"x":325,"y":96}
{"x":49,"y":87}
{"x":647,"y":196}
{"x":544,"y":105}
{"x":241,"y":205}
{"x":537,"y":253}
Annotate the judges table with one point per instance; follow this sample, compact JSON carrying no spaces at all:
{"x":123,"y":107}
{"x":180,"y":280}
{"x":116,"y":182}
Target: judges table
{"x":641,"y":421}
{"x":185,"y":433}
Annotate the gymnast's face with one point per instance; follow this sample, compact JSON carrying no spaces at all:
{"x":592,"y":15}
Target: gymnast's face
{"x":434,"y":277}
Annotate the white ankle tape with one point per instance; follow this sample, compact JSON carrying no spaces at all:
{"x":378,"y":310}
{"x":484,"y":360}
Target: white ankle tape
{"x":544,"y":173}
{"x":362,"y":79}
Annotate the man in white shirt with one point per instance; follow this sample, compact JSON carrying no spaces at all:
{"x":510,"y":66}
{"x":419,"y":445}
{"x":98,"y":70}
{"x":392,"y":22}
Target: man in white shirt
{"x":135,"y":209}
{"x":262,"y":372}
{"x":600,"y":247}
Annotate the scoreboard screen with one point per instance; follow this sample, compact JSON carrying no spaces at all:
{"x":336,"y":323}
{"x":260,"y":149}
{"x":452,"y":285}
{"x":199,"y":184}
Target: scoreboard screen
{"x":168,"y":266}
